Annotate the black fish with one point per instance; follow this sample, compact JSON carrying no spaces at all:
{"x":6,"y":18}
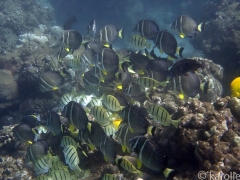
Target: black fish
{"x":190,"y":84}
{"x":69,"y":22}
{"x":135,"y":119}
{"x":181,"y":67}
{"x":76,"y":115}
{"x":167,"y":44}
{"x":72,"y":39}
{"x":187,"y":26}
{"x":110,"y":33}
{"x":149,"y":153}
{"x":23,"y":133}
{"x":36,"y":150}
{"x":54,"y":123}
{"x":147,"y":28}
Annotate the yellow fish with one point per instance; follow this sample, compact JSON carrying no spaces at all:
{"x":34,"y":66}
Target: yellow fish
{"x":235,"y":87}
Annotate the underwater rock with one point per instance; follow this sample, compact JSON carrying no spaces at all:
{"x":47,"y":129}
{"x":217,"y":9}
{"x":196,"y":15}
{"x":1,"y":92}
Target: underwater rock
{"x":234,"y":104}
{"x":32,"y":37}
{"x":8,"y":87}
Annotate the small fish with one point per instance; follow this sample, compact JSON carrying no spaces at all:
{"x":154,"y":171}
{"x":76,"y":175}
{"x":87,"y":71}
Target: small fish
{"x":149,"y":82}
{"x":76,"y":115}
{"x":36,"y":150}
{"x":187,"y":26}
{"x":71,"y":157}
{"x":43,"y":164}
{"x":69,"y":22}
{"x":111,"y":103}
{"x":123,"y":135}
{"x":72,"y":40}
{"x":150,"y":155}
{"x":183,"y":66}
{"x":65,"y":99}
{"x":110,"y":33}
{"x":95,"y":102}
{"x":107,"y":148}
{"x":147,"y":28}
{"x":61,"y":175}
{"x":139,"y":42}
{"x":109,"y":177}
{"x":109,"y":130}
{"x":67,"y":140}
{"x":167,"y":44}
{"x":127,"y":165}
{"x":50,"y":80}
{"x":32,"y":120}
{"x":161,"y":115}
{"x":100,"y":114}
{"x":235,"y":87}
{"x":135,"y":119}
{"x":23,"y":133}
{"x":94,"y":136}
{"x":54,"y":123}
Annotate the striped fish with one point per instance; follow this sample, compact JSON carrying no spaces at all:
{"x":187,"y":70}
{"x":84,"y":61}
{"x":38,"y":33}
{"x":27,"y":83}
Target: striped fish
{"x":61,"y":175}
{"x":149,"y":82}
{"x":123,"y":135}
{"x":43,"y":164}
{"x":85,"y":100}
{"x":109,"y":130}
{"x":161,"y":115}
{"x":65,"y":99}
{"x":67,"y":140}
{"x":95,"y":102}
{"x":139,"y":42}
{"x":75,"y":63}
{"x":127,"y":165}
{"x":43,"y":177}
{"x":71,"y":157}
{"x":111,"y":103}
{"x":109,"y":177}
{"x":100,"y":114}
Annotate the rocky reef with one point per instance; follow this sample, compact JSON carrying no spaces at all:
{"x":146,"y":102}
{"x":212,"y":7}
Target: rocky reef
{"x":220,"y":40}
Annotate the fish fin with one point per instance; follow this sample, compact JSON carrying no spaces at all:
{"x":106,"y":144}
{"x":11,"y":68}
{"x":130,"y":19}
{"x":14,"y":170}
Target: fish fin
{"x":105,"y":158}
{"x":139,"y":163}
{"x":84,"y":153}
{"x":116,"y":123}
{"x":54,"y":88}
{"x":182,"y":35}
{"x":130,"y":70}
{"x":149,"y":130}
{"x":163,"y":83}
{"x":175,"y":123}
{"x":167,"y":171}
{"x":179,"y":51}
{"x":104,"y":72}
{"x":91,"y":146}
{"x":131,"y":129}
{"x":119,"y":86}
{"x":200,"y":27}
{"x":141,"y":72}
{"x":38,"y":117}
{"x":148,"y":46}
{"x":171,"y":58}
{"x":89,"y":127}
{"x":124,"y":148}
{"x":121,"y":33}
{"x":161,"y":51}
{"x":139,"y":173}
{"x":181,"y":96}
{"x":71,"y":127}
{"x":67,"y":49}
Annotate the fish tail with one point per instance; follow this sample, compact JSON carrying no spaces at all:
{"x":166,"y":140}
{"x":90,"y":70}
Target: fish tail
{"x":201,"y":27}
{"x":121,"y":33}
{"x":179,"y":51}
{"x":167,"y":172}
{"x":175,"y":123}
